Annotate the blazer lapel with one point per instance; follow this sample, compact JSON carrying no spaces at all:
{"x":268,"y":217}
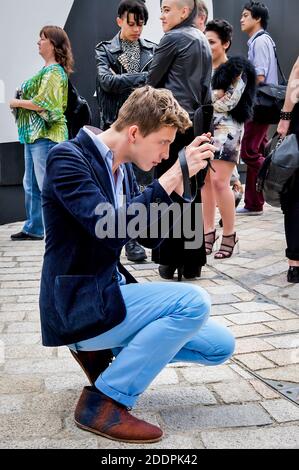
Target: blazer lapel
{"x":96,"y":163}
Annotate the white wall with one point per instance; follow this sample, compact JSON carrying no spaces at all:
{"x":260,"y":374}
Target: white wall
{"x":20,"y":23}
{"x":153,"y":30}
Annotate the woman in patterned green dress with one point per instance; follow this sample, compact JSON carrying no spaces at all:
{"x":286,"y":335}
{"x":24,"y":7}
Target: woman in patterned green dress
{"x":41,"y":121}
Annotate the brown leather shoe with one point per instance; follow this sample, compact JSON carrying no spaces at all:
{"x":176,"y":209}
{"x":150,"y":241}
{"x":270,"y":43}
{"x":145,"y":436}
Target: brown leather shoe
{"x":97,"y":413}
{"x":93,"y":363}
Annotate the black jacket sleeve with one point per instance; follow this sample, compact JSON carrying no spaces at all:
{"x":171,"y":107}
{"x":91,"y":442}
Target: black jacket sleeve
{"x":164,"y":55}
{"x":112,"y":82}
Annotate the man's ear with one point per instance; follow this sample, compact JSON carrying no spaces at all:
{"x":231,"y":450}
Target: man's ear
{"x":119,"y":22}
{"x":132,"y":134}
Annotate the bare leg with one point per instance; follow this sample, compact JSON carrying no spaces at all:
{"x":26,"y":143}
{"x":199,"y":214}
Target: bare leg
{"x":223,"y":194}
{"x":209,"y":204}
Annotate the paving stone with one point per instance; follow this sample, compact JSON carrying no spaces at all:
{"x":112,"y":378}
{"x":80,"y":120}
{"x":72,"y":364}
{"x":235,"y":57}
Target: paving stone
{"x":243,"y":373}
{"x":224,"y":416}
{"x":220,"y":290}
{"x":171,"y":441}
{"x":223,"y":299}
{"x":17,"y":292}
{"x":20,"y":307}
{"x":59,"y":383}
{"x":26,"y":425}
{"x":20,"y":284}
{"x":209,"y":374}
{"x":247,"y":318}
{"x":286,"y":373}
{"x":237,"y":392}
{"x":166,"y":377}
{"x":282,"y":410}
{"x":26,"y":351}
{"x":248,"y":307}
{"x":284,"y":325}
{"x":283,"y":314}
{"x":222,"y":321}
{"x":283,"y":357}
{"x":284,"y":342}
{"x":263,"y":389}
{"x":249,"y":330}
{"x":62,"y":404}
{"x":276,"y":268}
{"x":23,"y":327}
{"x":246,"y":296}
{"x":11,"y":404}
{"x":39,"y":366}
{"x":46,"y":443}
{"x":25,"y":338}
{"x":223,"y":309}
{"x":254,"y":361}
{"x":247,"y":345}
{"x":264,"y":289}
{"x":265,"y":438}
{"x":23,"y":384}
{"x":175,"y":397}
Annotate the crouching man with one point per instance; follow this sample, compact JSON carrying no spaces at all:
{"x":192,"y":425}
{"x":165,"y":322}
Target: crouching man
{"x":88,"y":300}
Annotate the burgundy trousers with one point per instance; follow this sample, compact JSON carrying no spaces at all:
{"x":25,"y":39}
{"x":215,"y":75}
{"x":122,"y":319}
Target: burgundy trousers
{"x":252,"y":153}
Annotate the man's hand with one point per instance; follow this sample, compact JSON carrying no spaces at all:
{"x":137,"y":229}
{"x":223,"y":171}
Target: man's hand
{"x":283,"y":127}
{"x":198,"y":153}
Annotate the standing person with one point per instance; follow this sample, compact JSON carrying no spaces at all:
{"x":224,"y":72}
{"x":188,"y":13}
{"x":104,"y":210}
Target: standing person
{"x":202,"y":16}
{"x":261,"y":53}
{"x":41,"y":121}
{"x":122,"y":66}
{"x":183,"y":64}
{"x":233,"y":84}
{"x":89,"y":301}
{"x":289,"y":124}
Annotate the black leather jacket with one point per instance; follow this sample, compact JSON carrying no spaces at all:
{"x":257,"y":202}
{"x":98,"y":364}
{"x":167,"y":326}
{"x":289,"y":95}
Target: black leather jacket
{"x":114,"y":85}
{"x":183,"y":64}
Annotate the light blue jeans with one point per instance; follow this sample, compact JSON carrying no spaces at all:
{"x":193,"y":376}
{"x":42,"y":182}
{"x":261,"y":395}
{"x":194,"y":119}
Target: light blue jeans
{"x":35,"y":167}
{"x":165,"y":322}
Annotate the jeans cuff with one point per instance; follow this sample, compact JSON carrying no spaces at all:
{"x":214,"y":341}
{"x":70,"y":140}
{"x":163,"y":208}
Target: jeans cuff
{"x":125,"y":400}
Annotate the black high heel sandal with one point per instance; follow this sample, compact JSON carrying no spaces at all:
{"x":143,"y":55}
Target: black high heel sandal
{"x":226,"y":250}
{"x":210,"y":239}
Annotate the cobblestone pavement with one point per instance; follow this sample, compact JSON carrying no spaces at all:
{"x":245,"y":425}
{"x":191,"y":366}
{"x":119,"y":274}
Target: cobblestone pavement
{"x":229,"y":406}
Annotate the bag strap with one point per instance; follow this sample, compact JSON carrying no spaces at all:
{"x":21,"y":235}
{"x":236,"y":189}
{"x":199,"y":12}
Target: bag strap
{"x":187,"y":195}
{"x":261,"y":33}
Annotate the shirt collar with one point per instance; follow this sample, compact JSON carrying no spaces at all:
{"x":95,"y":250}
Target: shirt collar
{"x":254,"y":36}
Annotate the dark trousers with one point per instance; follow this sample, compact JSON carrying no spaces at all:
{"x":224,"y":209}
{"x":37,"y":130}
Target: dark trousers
{"x":252,"y":153}
{"x":290,"y":206}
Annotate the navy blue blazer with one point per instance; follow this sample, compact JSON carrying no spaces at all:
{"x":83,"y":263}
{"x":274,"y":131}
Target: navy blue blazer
{"x":80,"y":296}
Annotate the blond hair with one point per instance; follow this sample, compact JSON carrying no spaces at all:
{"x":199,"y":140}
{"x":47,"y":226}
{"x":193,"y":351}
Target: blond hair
{"x":150,"y":110}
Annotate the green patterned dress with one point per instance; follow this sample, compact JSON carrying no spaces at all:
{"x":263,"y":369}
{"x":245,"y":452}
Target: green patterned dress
{"x":48,"y":89}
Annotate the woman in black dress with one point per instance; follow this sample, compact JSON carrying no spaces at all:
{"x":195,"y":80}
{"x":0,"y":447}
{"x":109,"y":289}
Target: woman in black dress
{"x":182,"y":63}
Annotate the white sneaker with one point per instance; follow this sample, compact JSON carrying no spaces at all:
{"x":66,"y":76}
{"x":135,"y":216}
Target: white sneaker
{"x":244,"y":211}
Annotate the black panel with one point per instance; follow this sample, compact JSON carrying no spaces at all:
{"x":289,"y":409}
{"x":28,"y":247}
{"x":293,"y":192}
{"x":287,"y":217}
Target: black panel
{"x":11,"y":164}
{"x":12,"y":207}
{"x":283,"y":27}
{"x":89,"y":22}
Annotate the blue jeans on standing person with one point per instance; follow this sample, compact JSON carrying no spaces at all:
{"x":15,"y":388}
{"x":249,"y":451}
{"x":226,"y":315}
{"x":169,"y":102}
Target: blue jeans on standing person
{"x":35,"y":167}
{"x":164,"y":323}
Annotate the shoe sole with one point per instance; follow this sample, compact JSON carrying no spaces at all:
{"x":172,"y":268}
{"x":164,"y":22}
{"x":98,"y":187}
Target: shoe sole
{"x":251,"y":214}
{"x":136,"y":259}
{"x":132,"y":441}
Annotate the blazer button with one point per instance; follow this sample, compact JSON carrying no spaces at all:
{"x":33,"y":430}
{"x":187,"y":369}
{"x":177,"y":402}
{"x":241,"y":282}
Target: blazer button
{"x":114,"y":277}
{"x":158,"y":200}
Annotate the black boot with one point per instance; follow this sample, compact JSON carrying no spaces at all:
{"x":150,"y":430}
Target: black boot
{"x":293,"y":274}
{"x":134,"y":251}
{"x":191,"y":272}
